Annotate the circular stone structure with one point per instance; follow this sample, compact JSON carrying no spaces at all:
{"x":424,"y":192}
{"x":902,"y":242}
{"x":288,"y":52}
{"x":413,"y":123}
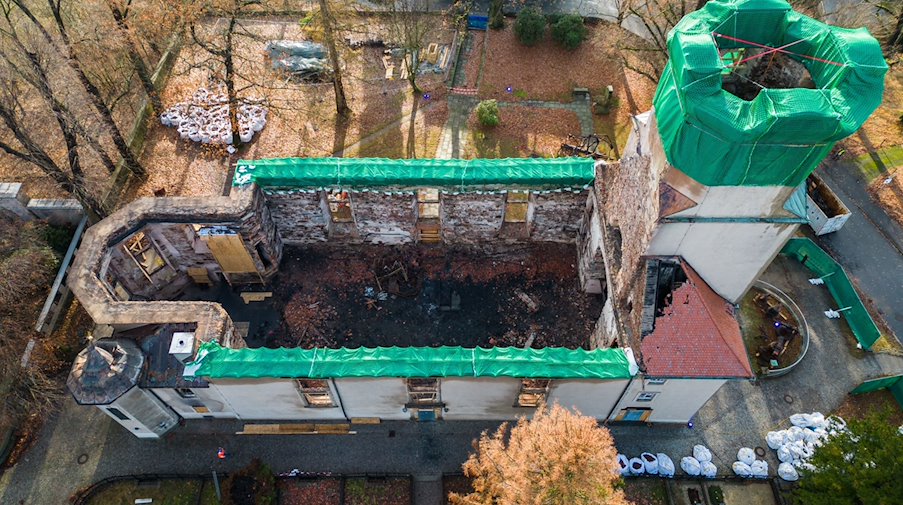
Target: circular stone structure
{"x":780,"y":136}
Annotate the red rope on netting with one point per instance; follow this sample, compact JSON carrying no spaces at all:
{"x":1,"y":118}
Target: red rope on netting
{"x":775,"y":49}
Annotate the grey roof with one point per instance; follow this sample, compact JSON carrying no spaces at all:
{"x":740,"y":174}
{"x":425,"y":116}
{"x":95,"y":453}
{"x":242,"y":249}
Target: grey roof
{"x":163,"y":370}
{"x":104,"y":371}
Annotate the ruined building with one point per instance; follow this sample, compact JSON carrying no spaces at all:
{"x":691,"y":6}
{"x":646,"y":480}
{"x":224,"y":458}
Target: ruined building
{"x":346,"y":289}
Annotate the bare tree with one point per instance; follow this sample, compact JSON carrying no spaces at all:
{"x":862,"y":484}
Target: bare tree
{"x":410,"y":23}
{"x":66,"y":48}
{"x":648,"y":53}
{"x":120,"y":12}
{"x":341,"y":104}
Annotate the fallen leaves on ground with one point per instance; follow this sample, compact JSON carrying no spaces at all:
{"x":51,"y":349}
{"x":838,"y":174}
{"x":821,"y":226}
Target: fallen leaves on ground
{"x":523,"y":132}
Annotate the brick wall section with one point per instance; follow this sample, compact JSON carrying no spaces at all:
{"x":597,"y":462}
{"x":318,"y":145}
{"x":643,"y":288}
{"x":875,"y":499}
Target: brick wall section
{"x":556,"y":216}
{"x":299,"y":218}
{"x":384,"y":218}
{"x":471,"y":218}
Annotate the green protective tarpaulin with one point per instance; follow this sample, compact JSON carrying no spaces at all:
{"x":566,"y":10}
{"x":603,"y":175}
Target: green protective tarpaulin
{"x":379,"y":172}
{"x":779,"y":137}
{"x":878,"y":384}
{"x":215,"y":361}
{"x":823,"y":265}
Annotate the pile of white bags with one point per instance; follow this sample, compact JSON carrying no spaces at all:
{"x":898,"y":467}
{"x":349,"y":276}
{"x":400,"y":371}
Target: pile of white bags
{"x":205,"y":118}
{"x":795,"y":445}
{"x":748,"y":466}
{"x":700,"y":463}
{"x":646,"y":464}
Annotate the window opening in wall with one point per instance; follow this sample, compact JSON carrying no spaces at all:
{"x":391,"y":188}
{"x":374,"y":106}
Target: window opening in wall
{"x":142,"y":250}
{"x":118,"y":414}
{"x":339,"y":205}
{"x":646,"y":396}
{"x":516,"y":205}
{"x":423,"y":391}
{"x":316,"y":392}
{"x":656,"y":382}
{"x":185,"y":393}
{"x":533,"y":392}
{"x":428,"y":203}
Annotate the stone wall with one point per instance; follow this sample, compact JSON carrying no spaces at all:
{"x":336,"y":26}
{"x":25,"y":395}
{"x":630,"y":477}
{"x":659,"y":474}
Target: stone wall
{"x":390,"y":217}
{"x":556,"y":215}
{"x":471,"y":218}
{"x":384,"y":218}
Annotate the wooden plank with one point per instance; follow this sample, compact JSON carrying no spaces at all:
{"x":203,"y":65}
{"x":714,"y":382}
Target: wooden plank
{"x":255,"y":296}
{"x":365,"y":420}
{"x":230,"y":253}
{"x":333,"y":428}
{"x":297,"y":429}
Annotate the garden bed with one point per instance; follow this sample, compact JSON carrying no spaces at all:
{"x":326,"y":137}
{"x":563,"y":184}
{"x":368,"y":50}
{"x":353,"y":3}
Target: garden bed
{"x":646,"y":491}
{"x":168,"y":491}
{"x":377,"y":491}
{"x":456,"y":484}
{"x":775,"y":338}
{"x":522,"y":133}
{"x":310,"y":492}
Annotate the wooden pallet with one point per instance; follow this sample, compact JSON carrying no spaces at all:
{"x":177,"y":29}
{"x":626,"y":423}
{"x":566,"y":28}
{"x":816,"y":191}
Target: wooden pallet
{"x":255,"y":296}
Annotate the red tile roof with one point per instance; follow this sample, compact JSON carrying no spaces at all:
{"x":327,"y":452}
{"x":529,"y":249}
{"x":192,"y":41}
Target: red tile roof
{"x":696,"y":337}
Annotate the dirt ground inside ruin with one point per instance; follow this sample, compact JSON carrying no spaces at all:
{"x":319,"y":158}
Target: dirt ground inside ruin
{"x":330,"y":297}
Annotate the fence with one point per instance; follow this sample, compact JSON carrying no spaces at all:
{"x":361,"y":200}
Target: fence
{"x":835,"y":278}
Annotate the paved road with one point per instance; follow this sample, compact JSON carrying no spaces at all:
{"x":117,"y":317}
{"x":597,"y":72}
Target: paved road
{"x":869,"y":246}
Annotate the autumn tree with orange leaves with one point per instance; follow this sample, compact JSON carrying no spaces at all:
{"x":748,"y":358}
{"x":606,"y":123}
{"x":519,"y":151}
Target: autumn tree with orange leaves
{"x":557,"y":457}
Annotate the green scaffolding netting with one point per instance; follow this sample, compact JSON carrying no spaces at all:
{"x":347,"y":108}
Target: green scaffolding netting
{"x":779,"y":137}
{"x":375,"y":172}
{"x":818,"y":261}
{"x":215,"y":361}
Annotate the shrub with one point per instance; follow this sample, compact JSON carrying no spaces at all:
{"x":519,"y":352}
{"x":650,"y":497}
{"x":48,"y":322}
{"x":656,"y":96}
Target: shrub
{"x":254,"y":484}
{"x":530,"y":26}
{"x":496,"y":15}
{"x":488,"y":113}
{"x":569,"y":31}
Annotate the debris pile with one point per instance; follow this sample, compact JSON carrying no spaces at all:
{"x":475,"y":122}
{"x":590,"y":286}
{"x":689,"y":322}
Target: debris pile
{"x":306,"y":318}
{"x":204,"y":118}
{"x":302,"y":59}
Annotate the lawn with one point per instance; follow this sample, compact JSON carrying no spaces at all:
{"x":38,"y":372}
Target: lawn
{"x":522,"y":133}
{"x":367,"y":491}
{"x":168,"y":491}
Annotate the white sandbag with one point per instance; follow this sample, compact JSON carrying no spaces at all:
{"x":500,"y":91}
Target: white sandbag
{"x":784,"y":454}
{"x":665,"y":465}
{"x":787,"y":472}
{"x":816,"y":419}
{"x":794,"y":433}
{"x":746,"y":455}
{"x":690,"y":465}
{"x":709,"y":470}
{"x":775,"y":439}
{"x":759,"y":469}
{"x":701,"y":453}
{"x":801,"y":420}
{"x":636,"y":466}
{"x":623,"y":464}
{"x":742,"y":469}
{"x":650,"y":463}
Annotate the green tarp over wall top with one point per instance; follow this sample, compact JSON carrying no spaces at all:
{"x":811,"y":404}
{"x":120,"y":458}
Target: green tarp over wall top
{"x":215,"y":361}
{"x":537,"y":173}
{"x":780,"y":136}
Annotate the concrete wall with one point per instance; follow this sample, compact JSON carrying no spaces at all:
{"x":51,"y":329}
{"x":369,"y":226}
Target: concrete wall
{"x":677,"y":400}
{"x":374,"y":397}
{"x":56,"y":211}
{"x":728,"y":256}
{"x":591,"y":398}
{"x":209,"y":397}
{"x":148,"y":417}
{"x":272,"y":399}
